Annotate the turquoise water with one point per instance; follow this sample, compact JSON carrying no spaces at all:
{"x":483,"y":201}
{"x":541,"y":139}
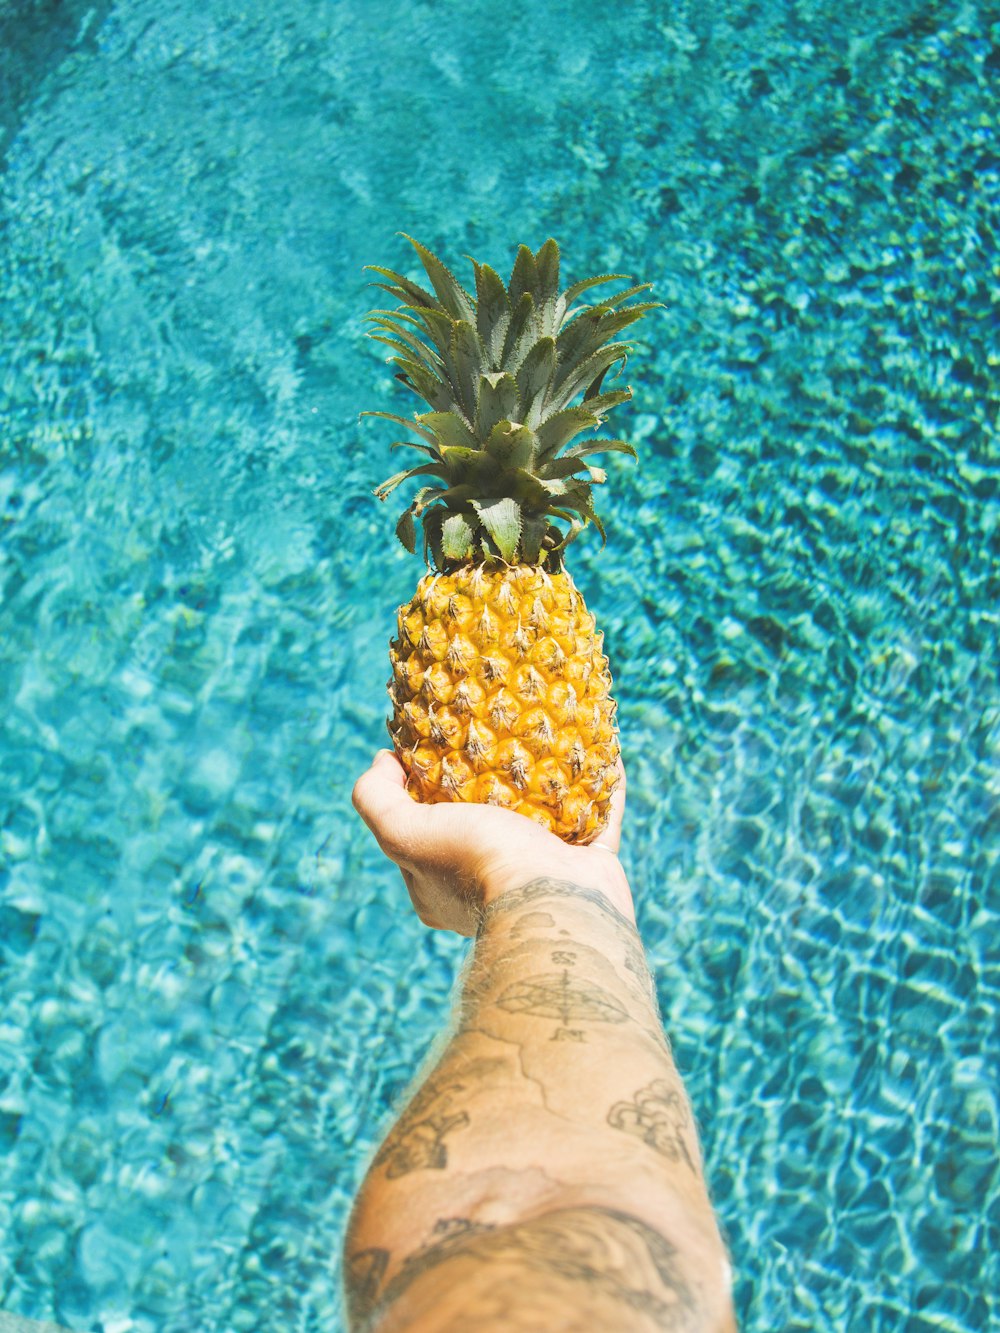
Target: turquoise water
{"x":210,"y":988}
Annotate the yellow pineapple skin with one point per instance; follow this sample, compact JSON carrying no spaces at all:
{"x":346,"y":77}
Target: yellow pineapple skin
{"x":501,"y":694}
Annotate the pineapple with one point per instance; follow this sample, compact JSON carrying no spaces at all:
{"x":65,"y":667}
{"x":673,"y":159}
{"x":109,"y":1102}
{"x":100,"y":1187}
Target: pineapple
{"x":500,"y":690}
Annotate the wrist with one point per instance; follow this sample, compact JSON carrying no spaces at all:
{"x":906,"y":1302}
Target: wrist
{"x":579,"y":875}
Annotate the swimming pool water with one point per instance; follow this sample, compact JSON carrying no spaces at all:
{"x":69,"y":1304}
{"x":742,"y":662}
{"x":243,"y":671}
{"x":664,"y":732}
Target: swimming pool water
{"x":210,"y":988}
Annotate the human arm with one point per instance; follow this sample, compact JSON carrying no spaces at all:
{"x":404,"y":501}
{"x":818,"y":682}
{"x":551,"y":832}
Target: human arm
{"x":546,"y":1173}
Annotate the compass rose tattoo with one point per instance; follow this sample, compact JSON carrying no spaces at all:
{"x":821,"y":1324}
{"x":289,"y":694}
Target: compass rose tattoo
{"x":565,"y":997}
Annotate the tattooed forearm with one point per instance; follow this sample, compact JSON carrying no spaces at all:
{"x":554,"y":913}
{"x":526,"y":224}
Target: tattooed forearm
{"x":538,"y":1123}
{"x":533,"y":1276}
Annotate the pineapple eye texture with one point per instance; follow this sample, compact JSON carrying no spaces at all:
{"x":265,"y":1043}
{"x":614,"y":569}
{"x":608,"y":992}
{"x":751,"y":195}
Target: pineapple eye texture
{"x":535,"y":736}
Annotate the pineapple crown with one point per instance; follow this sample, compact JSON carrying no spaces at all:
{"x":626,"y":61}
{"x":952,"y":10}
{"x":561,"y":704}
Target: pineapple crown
{"x":499,"y":371}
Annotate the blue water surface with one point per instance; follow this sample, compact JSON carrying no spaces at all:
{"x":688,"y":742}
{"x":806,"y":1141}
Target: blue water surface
{"x":211,"y":987}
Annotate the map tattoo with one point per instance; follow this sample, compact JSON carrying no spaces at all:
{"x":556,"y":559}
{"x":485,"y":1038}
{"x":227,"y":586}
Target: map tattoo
{"x":417,"y":1141}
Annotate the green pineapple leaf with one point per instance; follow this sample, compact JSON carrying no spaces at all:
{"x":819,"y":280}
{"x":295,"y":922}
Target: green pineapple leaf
{"x":433,"y":524}
{"x":425,"y":495}
{"x":511,"y":446}
{"x":437,"y":325}
{"x":428,"y":449}
{"x":587,"y":374}
{"x":547,"y":268}
{"x":520,"y":334}
{"x":593,"y":329}
{"x":461,"y":460}
{"x":447,"y":428}
{"x":467,"y":355}
{"x":456,"y":537}
{"x":452,"y":295}
{"x":404,"y":421}
{"x":397,"y":345}
{"x":410,"y":292}
{"x":612,"y":302}
{"x":406,"y":531}
{"x":533,"y":532}
{"x":559,"y":429}
{"x":593,"y":389}
{"x":405,"y":335}
{"x":578,"y":288}
{"x":499,"y":400}
{"x":559,"y":488}
{"x":502,"y":521}
{"x":534,"y":377}
{"x":460,"y":496}
{"x":564,"y":466}
{"x":503,"y":373}
{"x":600,"y":447}
{"x":425,"y":384}
{"x":600,"y":403}
{"x":387,"y":487}
{"x":493,"y":311}
{"x":524,"y":278}
{"x":582,"y":503}
{"x":528,"y":489}
{"x":576,"y":526}
{"x":472,"y":472}
{"x":550,"y":312}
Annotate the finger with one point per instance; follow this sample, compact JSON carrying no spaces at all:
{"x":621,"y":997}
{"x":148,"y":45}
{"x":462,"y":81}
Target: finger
{"x":410,"y":833}
{"x":386,"y":765}
{"x":612,"y":835}
{"x":381,"y":800}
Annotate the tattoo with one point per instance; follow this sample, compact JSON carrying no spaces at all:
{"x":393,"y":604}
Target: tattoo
{"x":634,"y":960}
{"x":534,"y":1275}
{"x":533,"y":921}
{"x":558,"y":995}
{"x":416,"y":1143}
{"x":544,"y":887}
{"x":562,"y":957}
{"x":363,"y":1276}
{"x":420,"y":1147}
{"x":451,"y":1234}
{"x":365,"y":1270}
{"x":659,"y":1116}
{"x":452,"y":1227}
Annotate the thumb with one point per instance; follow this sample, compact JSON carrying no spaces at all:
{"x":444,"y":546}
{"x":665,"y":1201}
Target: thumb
{"x":381,"y":800}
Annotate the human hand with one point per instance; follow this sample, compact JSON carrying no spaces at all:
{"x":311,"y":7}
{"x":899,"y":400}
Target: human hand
{"x":457,"y":857}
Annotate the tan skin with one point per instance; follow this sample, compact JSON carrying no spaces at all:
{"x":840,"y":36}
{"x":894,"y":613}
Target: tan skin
{"x":546,"y":1173}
